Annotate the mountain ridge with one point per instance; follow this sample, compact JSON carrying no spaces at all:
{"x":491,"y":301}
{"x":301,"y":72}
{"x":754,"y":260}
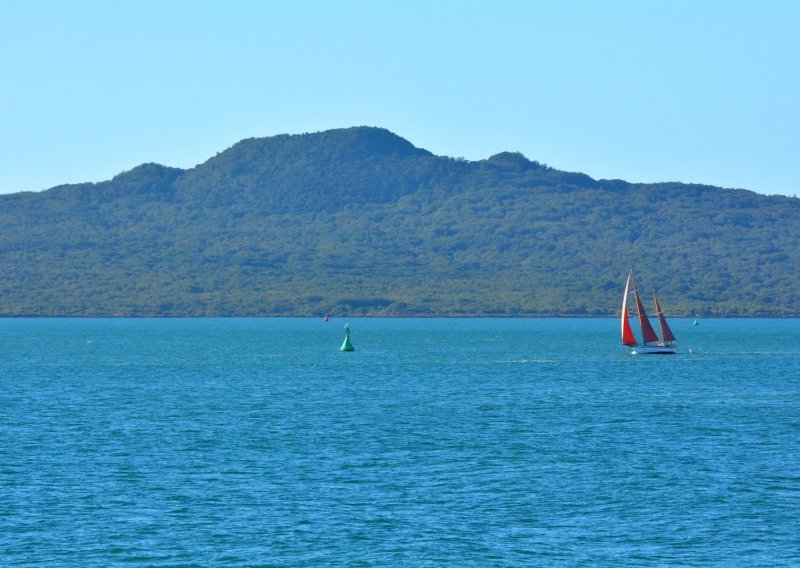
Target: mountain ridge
{"x":359,"y":221}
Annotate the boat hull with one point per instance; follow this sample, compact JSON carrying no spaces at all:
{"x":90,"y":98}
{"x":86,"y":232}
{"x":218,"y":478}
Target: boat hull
{"x":654,"y":350}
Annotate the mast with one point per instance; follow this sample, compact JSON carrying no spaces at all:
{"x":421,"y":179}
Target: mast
{"x":648,"y":335}
{"x":666,"y":332}
{"x":627,"y":333}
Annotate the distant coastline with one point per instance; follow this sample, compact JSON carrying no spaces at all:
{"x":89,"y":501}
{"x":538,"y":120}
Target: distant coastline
{"x":360,"y":221}
{"x":334,"y":319}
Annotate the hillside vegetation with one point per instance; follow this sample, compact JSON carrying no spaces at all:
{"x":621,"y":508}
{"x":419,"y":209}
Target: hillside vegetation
{"x":360,"y":222}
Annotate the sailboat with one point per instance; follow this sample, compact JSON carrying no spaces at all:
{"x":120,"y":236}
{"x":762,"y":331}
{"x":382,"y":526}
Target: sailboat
{"x":651,"y":344}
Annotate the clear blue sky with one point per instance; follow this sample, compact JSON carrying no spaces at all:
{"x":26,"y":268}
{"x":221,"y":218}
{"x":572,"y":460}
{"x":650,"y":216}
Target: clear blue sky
{"x":695,"y":91}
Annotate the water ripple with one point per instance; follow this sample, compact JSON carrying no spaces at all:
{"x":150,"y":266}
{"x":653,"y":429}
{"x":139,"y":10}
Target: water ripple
{"x":468,"y":443}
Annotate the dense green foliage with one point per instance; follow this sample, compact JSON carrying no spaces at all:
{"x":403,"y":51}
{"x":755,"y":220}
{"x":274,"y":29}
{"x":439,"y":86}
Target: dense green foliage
{"x":360,"y":222}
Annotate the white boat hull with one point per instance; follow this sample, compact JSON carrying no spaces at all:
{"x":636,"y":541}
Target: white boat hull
{"x":654,"y":350}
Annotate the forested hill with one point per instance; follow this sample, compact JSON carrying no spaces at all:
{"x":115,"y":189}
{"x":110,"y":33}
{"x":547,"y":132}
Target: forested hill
{"x":359,"y":221}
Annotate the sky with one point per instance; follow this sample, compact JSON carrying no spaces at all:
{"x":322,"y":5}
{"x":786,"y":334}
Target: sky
{"x":695,"y":91}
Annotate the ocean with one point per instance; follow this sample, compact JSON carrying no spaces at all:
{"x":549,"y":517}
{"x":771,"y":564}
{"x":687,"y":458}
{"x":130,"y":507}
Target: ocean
{"x":437,"y":442}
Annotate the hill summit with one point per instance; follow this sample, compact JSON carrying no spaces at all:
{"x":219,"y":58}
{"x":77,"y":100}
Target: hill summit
{"x":359,"y":221}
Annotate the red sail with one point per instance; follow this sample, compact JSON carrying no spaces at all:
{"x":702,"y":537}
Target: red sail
{"x":648,"y":335}
{"x":627,"y":333}
{"x":666,"y":332}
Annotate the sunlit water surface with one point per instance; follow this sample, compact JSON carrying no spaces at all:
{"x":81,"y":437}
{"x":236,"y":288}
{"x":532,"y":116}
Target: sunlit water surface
{"x":516,"y":442}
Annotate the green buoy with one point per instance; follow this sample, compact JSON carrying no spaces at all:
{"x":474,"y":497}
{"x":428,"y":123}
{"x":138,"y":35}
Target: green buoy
{"x":347,"y":346}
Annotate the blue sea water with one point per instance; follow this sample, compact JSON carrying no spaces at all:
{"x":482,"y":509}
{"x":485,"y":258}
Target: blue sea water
{"x":438,"y":442}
